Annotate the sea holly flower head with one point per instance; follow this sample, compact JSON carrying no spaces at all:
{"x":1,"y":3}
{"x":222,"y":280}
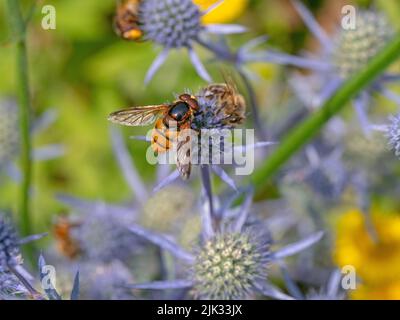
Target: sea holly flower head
{"x":341,"y":55}
{"x":170,"y":23}
{"x":391,"y":131}
{"x":175,"y":24}
{"x":231,"y":260}
{"x":99,"y":231}
{"x":10,"y":255}
{"x":230,"y":265}
{"x":354,"y":48}
{"x":393,"y":134}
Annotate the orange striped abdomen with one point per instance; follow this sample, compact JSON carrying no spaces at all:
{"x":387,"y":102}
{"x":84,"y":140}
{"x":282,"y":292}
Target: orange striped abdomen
{"x":162,"y":137}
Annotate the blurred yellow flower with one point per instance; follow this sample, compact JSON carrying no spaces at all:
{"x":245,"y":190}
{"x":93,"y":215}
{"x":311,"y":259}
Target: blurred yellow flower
{"x":377,"y":261}
{"x":390,"y":291}
{"x":228,"y":11}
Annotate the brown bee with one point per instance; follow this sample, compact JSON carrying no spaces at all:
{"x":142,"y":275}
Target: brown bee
{"x":170,"y":120}
{"x":66,"y":244}
{"x":126,"y":21}
{"x":231,"y":106}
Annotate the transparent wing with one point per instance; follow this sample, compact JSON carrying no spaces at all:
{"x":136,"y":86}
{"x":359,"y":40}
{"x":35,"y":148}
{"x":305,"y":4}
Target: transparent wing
{"x":183,"y":158}
{"x":138,"y":116}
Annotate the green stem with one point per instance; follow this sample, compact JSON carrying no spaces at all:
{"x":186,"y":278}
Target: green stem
{"x":302,"y":134}
{"x":18,"y":28}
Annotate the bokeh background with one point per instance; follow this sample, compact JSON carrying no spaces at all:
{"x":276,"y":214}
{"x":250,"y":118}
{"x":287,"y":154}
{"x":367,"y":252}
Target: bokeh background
{"x":83,"y":71}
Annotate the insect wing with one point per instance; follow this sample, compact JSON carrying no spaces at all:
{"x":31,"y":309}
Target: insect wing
{"x":138,"y":116}
{"x":183,"y":159}
{"x":184,"y":151}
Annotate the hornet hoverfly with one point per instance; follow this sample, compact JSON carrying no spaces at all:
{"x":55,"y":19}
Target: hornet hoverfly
{"x":171,"y":119}
{"x":126,"y":21}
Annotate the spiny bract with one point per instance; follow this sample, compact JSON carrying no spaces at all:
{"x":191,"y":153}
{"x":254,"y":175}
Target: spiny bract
{"x":393,"y":134}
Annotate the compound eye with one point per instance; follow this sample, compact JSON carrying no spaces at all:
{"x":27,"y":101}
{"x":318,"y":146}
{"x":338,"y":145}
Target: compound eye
{"x":179,"y":111}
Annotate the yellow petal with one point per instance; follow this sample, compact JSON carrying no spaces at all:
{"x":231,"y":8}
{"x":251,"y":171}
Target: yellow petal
{"x":228,"y":11}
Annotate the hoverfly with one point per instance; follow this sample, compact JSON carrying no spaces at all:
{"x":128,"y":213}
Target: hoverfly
{"x":170,"y":119}
{"x":66,"y":244}
{"x":126,"y":21}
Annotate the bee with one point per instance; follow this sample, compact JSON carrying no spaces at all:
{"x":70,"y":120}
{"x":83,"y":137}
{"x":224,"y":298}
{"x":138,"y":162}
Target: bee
{"x":170,"y":120}
{"x":230,"y":105}
{"x":126,"y":21}
{"x":66,"y":244}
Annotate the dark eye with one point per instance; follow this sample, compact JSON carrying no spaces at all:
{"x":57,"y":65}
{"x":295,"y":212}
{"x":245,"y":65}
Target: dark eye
{"x":179,"y":111}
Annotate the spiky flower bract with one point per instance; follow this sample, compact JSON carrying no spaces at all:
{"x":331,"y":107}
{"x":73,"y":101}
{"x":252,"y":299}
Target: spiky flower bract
{"x":9,"y":134}
{"x":356,"y":47}
{"x":393,"y":134}
{"x":9,"y":246}
{"x":10,"y":287}
{"x":229,"y":265}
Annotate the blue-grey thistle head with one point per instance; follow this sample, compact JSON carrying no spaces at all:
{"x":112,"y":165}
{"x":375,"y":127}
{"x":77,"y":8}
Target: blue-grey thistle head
{"x":393,"y":134}
{"x":103,"y":236}
{"x":9,"y":137}
{"x":356,"y":47}
{"x":230,"y":265}
{"x":170,"y":23}
{"x":9,"y":246}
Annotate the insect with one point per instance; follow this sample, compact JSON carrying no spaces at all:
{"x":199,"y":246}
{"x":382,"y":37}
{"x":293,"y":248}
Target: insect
{"x":170,"y":120}
{"x":66,"y":244}
{"x":230,"y":105}
{"x":126,"y":21}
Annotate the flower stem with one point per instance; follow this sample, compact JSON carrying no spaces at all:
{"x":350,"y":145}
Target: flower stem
{"x":18,"y":28}
{"x":206,"y":180}
{"x":305,"y":131}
